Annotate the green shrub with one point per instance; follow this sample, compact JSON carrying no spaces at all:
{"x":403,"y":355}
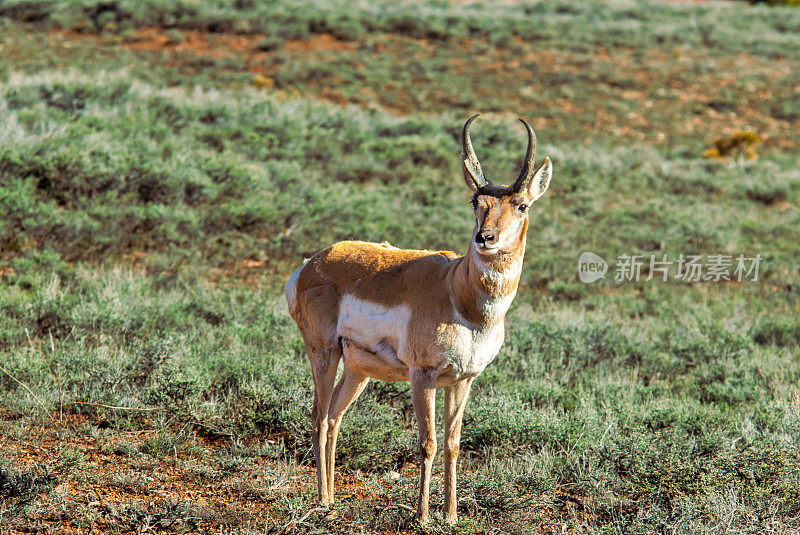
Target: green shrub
{"x":373,"y":439}
{"x":779,"y":331}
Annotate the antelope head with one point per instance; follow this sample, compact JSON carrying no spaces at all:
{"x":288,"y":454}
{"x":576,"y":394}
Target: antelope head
{"x":501,"y":212}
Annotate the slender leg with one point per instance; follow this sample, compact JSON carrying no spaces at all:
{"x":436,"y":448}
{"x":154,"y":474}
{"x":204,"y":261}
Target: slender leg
{"x":455,"y":399}
{"x":323,"y":367}
{"x":423,"y":387}
{"x":321,"y":304}
{"x":347,"y":391}
{"x":315,"y":439}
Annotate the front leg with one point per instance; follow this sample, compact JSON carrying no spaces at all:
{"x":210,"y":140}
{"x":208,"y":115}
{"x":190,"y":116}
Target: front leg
{"x":423,"y":387}
{"x":455,"y":399}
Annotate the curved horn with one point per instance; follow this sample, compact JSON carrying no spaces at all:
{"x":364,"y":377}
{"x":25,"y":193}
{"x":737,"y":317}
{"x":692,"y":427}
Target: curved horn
{"x":473,"y":174}
{"x":527,"y":171}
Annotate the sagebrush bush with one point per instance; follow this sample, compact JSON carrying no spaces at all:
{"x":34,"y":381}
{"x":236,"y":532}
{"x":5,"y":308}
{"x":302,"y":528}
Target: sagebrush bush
{"x":778,"y":330}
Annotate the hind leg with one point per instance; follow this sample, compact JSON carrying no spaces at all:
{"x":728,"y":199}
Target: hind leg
{"x":316,"y":316}
{"x":347,"y":391}
{"x":323,"y":365}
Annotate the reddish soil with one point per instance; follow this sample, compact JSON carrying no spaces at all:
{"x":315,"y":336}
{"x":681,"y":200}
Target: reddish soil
{"x":216,"y":45}
{"x":113,"y":484}
{"x":101,"y":479}
{"x":318,"y":42}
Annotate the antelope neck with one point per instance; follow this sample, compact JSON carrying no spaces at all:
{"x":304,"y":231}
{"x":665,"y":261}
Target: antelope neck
{"x":483,"y":286}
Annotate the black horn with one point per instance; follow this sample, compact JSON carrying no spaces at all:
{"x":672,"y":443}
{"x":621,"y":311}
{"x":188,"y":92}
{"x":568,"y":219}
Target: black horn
{"x":473,"y":174}
{"x":527,"y":171}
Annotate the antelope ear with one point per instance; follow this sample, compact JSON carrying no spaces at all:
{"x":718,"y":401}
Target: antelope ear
{"x":541,"y":180}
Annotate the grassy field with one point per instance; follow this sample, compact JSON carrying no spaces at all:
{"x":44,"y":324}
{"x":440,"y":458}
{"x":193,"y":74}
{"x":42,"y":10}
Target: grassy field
{"x":165,"y":165}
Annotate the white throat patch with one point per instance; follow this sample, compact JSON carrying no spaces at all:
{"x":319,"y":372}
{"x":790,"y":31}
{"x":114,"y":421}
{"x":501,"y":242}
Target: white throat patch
{"x":497,"y":277}
{"x":495,"y":308}
{"x":468,"y":350}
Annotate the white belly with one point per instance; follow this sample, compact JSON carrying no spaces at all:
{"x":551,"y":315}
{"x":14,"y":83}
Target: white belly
{"x":372,"y":326}
{"x":383,"y":332}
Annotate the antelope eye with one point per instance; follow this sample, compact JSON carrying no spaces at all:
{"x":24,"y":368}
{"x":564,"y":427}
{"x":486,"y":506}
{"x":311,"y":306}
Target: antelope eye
{"x":522,"y":208}
{"x":474,"y":203}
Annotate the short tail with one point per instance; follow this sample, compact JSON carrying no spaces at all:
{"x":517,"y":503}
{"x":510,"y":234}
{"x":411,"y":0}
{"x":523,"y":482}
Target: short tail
{"x":291,"y":289}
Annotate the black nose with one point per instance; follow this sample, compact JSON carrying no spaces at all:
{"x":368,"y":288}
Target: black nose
{"x":482,"y":238}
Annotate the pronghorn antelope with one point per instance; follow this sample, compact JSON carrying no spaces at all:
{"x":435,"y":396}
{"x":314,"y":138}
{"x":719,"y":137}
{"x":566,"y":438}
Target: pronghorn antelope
{"x":430,"y":317}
